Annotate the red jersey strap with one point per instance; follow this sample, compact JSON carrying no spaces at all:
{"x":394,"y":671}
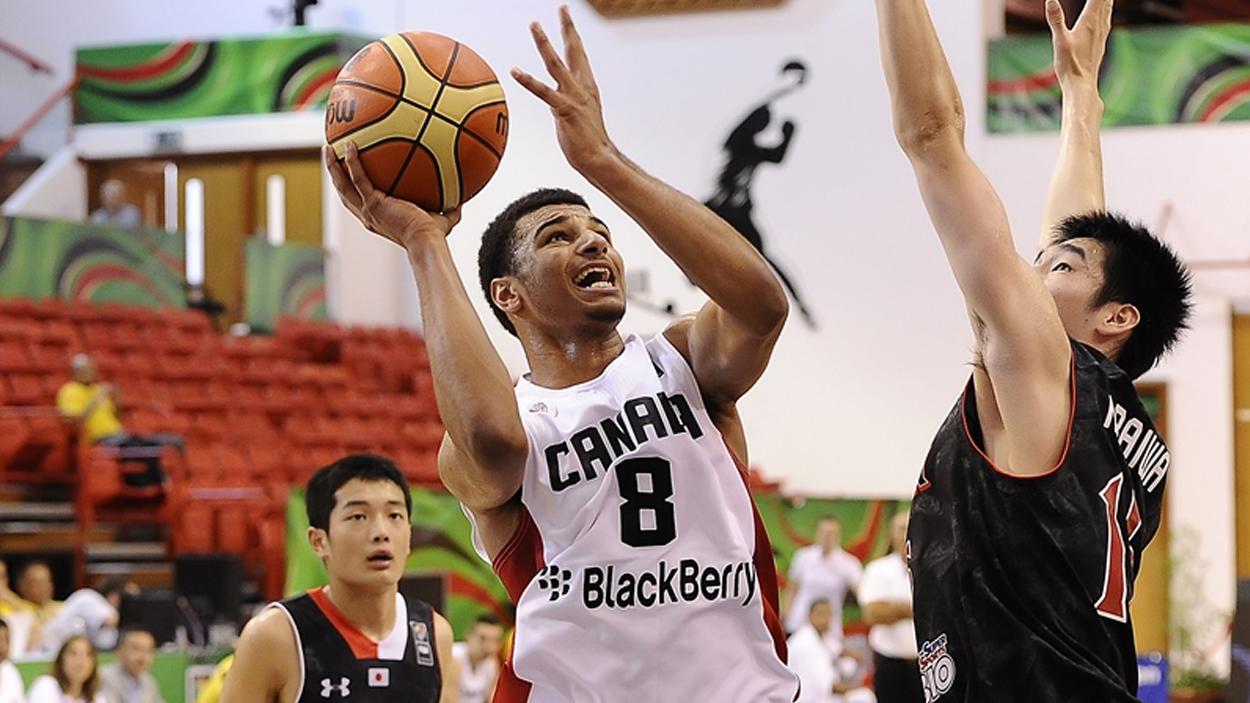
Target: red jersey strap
{"x":362,"y":646}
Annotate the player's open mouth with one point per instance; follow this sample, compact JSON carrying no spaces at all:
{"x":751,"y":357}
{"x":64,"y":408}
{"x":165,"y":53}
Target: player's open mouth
{"x":595,"y":277}
{"x":381,"y":559}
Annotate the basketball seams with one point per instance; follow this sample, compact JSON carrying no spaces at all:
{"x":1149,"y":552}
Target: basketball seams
{"x":369,"y":86}
{"x":403,"y":75}
{"x":403,"y":84}
{"x":394,"y":106}
{"x":417,"y":53}
{"x":416,"y":142}
{"x":480,"y":139}
{"x":472,"y":86}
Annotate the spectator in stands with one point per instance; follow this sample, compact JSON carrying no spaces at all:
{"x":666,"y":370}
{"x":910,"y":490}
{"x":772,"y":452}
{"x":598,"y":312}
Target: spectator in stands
{"x":90,"y":612}
{"x":114,"y":210}
{"x":74,"y":677}
{"x":36,"y":589}
{"x":129,"y":679}
{"x":885,"y":595}
{"x":822,"y":571}
{"x":9,"y":601}
{"x":92,"y":406}
{"x":478,"y":657}
{"x":816,"y":656}
{"x":11,"y":690}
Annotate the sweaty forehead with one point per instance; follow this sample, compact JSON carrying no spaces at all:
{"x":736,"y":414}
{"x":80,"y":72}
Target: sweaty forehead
{"x":531,"y":221}
{"x":1094,"y":250}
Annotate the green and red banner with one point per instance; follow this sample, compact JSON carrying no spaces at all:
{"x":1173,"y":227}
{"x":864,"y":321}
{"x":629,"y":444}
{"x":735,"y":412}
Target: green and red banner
{"x":284,"y":281}
{"x":90,"y":263}
{"x":186,"y":79}
{"x":442,"y":544}
{"x":1194,"y":74}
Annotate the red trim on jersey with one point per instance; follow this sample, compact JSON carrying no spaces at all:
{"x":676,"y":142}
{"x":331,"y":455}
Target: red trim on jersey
{"x":516,"y":565}
{"x":765,"y":568}
{"x":1067,"y":441}
{"x":1134,"y":526}
{"x":1113,"y":602}
{"x":362,"y":646}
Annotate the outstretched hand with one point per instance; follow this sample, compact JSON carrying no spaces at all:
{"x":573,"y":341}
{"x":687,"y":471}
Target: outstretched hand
{"x":398,"y":220}
{"x":1079,"y":51}
{"x":574,"y":102}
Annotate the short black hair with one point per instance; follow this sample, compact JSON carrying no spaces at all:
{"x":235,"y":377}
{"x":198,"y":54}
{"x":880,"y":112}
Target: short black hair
{"x":133,"y":630}
{"x":319,"y":495}
{"x":113,"y":584}
{"x":486,"y":619}
{"x":1142,"y":271}
{"x":33,"y":563}
{"x":496,"y":257}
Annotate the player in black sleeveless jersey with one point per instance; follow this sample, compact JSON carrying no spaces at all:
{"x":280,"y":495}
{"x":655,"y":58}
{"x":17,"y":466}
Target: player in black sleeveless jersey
{"x":1044,"y":485}
{"x":357,"y":638}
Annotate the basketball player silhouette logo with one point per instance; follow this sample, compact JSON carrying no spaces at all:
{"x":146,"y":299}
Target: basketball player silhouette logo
{"x":732,"y":200}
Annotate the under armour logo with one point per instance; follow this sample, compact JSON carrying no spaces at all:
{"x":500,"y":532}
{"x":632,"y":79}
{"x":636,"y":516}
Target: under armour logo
{"x":556,"y":580}
{"x":327,"y":687}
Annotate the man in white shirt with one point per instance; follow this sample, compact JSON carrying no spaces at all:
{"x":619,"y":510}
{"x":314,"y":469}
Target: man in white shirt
{"x":129,"y":679}
{"x":11,"y":689}
{"x":114,"y":210}
{"x":822,"y":571}
{"x":816,"y":657}
{"x":885,"y":596}
{"x":478,"y":659}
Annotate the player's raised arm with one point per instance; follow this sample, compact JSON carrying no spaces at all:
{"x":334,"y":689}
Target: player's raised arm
{"x":484,"y":461}
{"x":1021,"y":339}
{"x":731,"y":339}
{"x":1076,"y":187}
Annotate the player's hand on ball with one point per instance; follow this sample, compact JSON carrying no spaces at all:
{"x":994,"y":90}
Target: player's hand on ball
{"x":1079,"y":51}
{"x":398,"y":220}
{"x":574,"y":101}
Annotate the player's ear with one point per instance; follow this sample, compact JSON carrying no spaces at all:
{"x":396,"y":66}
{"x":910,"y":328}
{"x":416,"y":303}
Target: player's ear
{"x":505,"y":292}
{"x":1119,"y":318}
{"x":318,"y":539}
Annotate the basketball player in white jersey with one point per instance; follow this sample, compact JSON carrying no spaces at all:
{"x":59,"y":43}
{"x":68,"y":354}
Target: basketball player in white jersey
{"x":357,"y":638}
{"x":608,"y":486}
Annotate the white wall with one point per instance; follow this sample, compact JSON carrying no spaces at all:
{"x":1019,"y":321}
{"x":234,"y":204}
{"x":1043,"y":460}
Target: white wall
{"x":57,"y":191}
{"x":849,"y":411}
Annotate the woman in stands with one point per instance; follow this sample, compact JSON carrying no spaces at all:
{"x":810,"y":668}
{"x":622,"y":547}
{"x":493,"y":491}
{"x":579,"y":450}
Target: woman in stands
{"x":74,"y":677}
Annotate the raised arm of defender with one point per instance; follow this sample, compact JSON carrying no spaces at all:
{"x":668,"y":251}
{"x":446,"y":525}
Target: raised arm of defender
{"x":730,"y":340}
{"x":485,"y":444}
{"x":1023,"y":393}
{"x":1076,"y":187}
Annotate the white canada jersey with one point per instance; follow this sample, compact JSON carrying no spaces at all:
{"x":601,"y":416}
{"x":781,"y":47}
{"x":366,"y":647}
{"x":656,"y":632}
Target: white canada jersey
{"x":640,"y":569}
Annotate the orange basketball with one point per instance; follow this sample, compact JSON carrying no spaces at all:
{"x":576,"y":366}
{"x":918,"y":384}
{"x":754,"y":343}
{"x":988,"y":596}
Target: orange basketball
{"x":427,"y":114}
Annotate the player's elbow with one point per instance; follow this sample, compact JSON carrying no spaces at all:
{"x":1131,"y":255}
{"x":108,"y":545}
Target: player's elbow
{"x":494,"y":444}
{"x":931,"y":133}
{"x":774,"y":310}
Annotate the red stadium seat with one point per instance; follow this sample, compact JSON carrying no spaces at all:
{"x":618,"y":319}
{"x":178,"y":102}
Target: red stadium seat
{"x":25,"y":389}
{"x":193,"y":530}
{"x":15,"y":357}
{"x":232,"y":529}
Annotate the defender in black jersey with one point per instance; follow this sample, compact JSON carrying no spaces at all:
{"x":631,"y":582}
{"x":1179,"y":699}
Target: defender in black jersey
{"x":357,"y":638}
{"x":1044,"y":485}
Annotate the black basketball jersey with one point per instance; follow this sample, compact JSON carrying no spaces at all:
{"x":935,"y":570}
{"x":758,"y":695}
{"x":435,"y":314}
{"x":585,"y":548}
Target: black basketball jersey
{"x":1022,"y":585}
{"x":341,"y":663}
